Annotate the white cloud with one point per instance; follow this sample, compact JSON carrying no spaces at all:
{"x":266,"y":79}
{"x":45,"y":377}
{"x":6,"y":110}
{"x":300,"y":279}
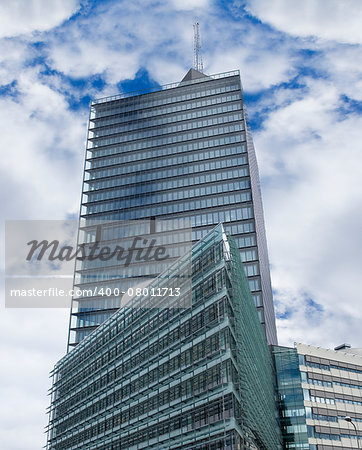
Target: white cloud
{"x":189,"y":4}
{"x":310,"y":158}
{"x":31,"y":341}
{"x":260,"y":70}
{"x":45,"y":145}
{"x":24,"y":16}
{"x":343,"y":65}
{"x":338,"y":20}
{"x":82,"y":59}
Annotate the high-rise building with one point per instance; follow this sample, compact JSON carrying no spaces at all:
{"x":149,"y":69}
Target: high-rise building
{"x":197,"y":377}
{"x":181,"y":151}
{"x":320,"y":397}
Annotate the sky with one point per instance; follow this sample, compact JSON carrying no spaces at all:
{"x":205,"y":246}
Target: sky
{"x":300,"y":64}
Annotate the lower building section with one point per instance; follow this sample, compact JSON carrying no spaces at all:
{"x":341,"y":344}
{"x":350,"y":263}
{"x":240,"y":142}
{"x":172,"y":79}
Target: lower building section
{"x":173,"y":378}
{"x":320,"y":397}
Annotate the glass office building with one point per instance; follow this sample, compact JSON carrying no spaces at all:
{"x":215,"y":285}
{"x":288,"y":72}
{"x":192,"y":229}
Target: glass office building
{"x":181,"y":151}
{"x":197,"y":377}
{"x":317,"y":390}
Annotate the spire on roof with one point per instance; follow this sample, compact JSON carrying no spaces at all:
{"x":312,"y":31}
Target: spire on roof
{"x":198,"y":65}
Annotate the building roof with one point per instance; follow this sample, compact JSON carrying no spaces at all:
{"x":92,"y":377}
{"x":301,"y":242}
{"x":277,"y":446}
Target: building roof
{"x":193,"y":74}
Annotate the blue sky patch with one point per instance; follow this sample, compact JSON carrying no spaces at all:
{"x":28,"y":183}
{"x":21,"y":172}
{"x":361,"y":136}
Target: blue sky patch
{"x":141,"y":81}
{"x":9,"y":90}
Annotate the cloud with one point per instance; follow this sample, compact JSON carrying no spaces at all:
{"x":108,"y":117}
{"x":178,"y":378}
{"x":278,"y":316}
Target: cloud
{"x":44,"y":141}
{"x":25,"y":16}
{"x":189,"y":4}
{"x":124,"y":39}
{"x":333,"y":20}
{"x":342,"y":63}
{"x":258,"y":71}
{"x":37,"y":341}
{"x":310,"y":160}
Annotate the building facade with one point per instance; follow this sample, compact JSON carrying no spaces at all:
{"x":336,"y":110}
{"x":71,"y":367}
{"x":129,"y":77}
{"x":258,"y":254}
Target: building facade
{"x":317,"y":390}
{"x":183,"y":151}
{"x":198,"y":377}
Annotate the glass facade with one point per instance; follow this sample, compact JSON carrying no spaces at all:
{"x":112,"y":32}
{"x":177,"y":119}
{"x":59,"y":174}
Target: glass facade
{"x":190,"y":378}
{"x":317,"y":389}
{"x":183,"y":151}
{"x":290,"y":398}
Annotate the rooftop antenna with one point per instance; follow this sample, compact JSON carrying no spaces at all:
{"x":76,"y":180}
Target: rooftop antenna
{"x":198,"y":65}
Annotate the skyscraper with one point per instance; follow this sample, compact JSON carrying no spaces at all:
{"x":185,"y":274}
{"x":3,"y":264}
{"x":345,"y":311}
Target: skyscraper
{"x":183,"y":151}
{"x":192,"y":378}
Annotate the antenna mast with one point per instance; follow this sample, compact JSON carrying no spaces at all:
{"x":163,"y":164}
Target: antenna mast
{"x":198,"y":65}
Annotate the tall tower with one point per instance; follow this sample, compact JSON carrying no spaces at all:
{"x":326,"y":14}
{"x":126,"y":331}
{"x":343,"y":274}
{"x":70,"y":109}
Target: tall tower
{"x":181,"y":151}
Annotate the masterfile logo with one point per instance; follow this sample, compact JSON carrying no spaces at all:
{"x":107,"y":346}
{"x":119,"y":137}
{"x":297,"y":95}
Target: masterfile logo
{"x":49,"y":263}
{"x":140,"y":250}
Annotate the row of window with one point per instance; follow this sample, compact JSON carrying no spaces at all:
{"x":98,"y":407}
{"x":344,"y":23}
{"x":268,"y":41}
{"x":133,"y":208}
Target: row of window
{"x":328,"y":383}
{"x":180,"y":194}
{"x":321,"y":366}
{"x":147,"y":134}
{"x":307,"y":379}
{"x":133,"y":270}
{"x":176,"y":149}
{"x":94,"y":304}
{"x":89,"y":320}
{"x":350,"y":385}
{"x":335,"y":437}
{"x":134,"y":115}
{"x":225,"y":216}
{"x":195,"y":220}
{"x":117,"y":230}
{"x":77,"y":336}
{"x":165,"y":184}
{"x":174,"y":171}
{"x":324,"y":418}
{"x":116,"y":252}
{"x":88,"y":302}
{"x":214,"y":411}
{"x":211,"y":219}
{"x":242,"y":241}
{"x":350,"y":402}
{"x":347,"y":369}
{"x":161,"y":155}
{"x":355,"y":419}
{"x":228,"y":440}
{"x":314,"y":365}
{"x":350,"y":436}
{"x":326,"y":400}
{"x":327,"y":418}
{"x":168,"y":208}
{"x":186,"y":389}
{"x":163,"y":120}
{"x":331,"y":437}
{"x":332,"y":401}
{"x":142,"y":331}
{"x":124,"y":319}
{"x":142,"y":102}
{"x":121,"y":374}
